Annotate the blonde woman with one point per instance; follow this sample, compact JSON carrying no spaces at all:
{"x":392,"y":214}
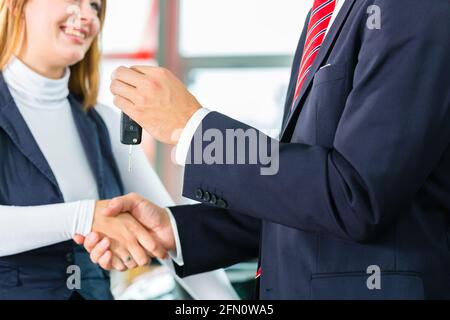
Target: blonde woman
{"x":61,"y":159}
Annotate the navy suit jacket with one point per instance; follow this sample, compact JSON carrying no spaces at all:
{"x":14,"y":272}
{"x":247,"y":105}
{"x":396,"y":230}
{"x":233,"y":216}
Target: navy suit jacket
{"x":364,"y":172}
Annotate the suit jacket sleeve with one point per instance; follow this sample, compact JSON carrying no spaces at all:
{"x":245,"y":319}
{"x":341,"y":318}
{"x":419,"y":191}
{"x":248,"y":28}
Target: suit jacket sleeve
{"x":213,"y":238}
{"x":392,"y":133}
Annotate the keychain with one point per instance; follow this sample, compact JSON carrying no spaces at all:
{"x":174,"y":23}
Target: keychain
{"x":130,"y":134}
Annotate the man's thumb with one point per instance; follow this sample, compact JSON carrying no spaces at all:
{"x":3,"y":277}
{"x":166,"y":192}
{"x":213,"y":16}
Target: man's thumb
{"x":113,"y":209}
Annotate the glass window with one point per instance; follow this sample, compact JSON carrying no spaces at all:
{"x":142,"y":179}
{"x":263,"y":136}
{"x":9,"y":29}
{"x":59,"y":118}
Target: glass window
{"x":130,"y":26}
{"x":253,"y":96}
{"x":233,"y":27}
{"x":129,"y":37}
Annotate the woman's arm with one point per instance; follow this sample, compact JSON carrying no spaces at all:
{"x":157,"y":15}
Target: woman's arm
{"x":144,"y":181}
{"x":27,"y":228}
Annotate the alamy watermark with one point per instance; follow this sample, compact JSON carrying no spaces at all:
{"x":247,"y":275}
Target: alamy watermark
{"x":74,"y":20}
{"x":234,"y":147}
{"x":74,"y":279}
{"x":374,"y":280}
{"x":374,"y":20}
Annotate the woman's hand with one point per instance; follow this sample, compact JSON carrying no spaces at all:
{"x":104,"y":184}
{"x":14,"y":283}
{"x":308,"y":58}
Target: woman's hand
{"x":128,"y":241}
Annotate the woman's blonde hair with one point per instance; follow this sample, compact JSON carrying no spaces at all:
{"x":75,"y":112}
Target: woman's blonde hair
{"x":85,"y":75}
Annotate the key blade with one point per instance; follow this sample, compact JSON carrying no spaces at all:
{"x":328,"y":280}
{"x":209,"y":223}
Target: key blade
{"x":130,"y":163}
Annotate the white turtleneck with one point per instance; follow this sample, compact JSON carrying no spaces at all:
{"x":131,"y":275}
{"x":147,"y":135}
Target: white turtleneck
{"x":44,"y":105}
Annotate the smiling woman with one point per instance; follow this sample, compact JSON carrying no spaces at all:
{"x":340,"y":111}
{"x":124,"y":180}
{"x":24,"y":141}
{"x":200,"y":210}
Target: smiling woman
{"x":44,"y":33}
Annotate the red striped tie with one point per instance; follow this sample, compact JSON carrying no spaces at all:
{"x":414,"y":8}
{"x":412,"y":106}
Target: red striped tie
{"x":319,"y":21}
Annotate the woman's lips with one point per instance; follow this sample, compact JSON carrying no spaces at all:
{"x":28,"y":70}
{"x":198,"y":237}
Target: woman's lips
{"x":75,"y":33}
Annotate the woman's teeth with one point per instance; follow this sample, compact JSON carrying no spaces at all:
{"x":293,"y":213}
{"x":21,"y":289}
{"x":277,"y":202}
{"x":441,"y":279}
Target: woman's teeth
{"x":74,"y":32}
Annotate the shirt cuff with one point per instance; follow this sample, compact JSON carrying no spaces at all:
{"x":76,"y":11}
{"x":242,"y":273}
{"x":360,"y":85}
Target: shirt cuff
{"x":177,"y":255}
{"x":189,"y":130}
{"x":84,"y":217}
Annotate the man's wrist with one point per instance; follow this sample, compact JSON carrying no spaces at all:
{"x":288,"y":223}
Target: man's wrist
{"x":176,"y":254}
{"x":184,"y":143}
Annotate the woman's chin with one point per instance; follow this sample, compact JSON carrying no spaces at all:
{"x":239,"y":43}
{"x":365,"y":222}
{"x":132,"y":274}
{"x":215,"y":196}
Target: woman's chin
{"x":73,"y":57}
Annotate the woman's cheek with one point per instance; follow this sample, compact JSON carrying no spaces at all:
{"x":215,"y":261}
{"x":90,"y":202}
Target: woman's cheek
{"x":95,"y":27}
{"x":94,"y":31}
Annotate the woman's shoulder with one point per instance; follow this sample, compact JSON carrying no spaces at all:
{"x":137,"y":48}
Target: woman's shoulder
{"x":108,"y":113}
{"x":110,"y":116}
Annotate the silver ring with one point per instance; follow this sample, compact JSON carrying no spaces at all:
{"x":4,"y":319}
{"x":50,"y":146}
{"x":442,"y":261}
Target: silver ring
{"x":128,"y":259}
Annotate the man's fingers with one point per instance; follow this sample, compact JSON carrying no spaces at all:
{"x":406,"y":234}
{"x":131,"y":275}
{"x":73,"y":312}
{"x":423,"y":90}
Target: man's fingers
{"x":123,"y":104}
{"x":105,"y":260}
{"x":128,"y":76}
{"x":119,"y":88}
{"x":139,"y":255}
{"x":79,"y":239}
{"x":91,"y":241}
{"x":150,"y":244}
{"x":121,"y":204}
{"x":144,"y":70}
{"x":99,"y":250}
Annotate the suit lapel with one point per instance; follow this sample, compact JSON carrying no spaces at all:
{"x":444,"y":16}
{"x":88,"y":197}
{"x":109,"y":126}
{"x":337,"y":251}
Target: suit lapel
{"x":294,"y":71}
{"x":323,"y":53}
{"x":14,"y":125}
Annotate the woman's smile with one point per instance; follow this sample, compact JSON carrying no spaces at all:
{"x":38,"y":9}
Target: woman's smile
{"x":76,"y":35}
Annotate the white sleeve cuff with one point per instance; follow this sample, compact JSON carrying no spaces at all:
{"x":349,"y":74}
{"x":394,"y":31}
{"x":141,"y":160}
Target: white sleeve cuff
{"x":176,"y":256}
{"x":184,"y":143}
{"x":84,"y":217}
{"x":27,"y":228}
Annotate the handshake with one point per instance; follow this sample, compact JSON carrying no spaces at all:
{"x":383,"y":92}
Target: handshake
{"x":127,"y":232}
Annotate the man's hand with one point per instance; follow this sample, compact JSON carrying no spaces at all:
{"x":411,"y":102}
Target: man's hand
{"x":125,"y":243}
{"x":152,"y":217}
{"x":155,"y":99}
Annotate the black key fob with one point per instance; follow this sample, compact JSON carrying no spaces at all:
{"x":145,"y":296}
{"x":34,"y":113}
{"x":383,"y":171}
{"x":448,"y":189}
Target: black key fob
{"x":130,"y":131}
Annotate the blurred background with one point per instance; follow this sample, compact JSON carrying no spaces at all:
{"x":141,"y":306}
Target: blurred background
{"x":234,"y":56}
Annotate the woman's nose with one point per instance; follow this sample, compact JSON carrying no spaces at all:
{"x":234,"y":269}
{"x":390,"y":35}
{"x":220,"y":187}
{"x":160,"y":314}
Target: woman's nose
{"x":87,"y":14}
{"x":85,"y":20}
{"x":86,"y":17}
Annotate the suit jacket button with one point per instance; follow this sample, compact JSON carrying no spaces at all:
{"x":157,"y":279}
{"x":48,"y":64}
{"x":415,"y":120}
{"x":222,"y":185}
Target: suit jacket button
{"x":206,"y":196}
{"x":213,"y":199}
{"x":69,"y":257}
{"x":222,"y":203}
{"x":199,"y":194}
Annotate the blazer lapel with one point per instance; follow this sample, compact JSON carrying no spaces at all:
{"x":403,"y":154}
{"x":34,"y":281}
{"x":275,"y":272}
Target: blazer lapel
{"x":88,"y":134}
{"x":294,"y":72}
{"x":324,"y":50}
{"x":14,"y":125}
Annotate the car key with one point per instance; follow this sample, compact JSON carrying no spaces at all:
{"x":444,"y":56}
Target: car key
{"x":130,"y":134}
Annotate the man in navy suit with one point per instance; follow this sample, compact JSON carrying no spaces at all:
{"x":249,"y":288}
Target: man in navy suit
{"x":359,"y":206}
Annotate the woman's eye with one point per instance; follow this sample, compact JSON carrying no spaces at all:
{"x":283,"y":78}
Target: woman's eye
{"x":96,"y":6}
